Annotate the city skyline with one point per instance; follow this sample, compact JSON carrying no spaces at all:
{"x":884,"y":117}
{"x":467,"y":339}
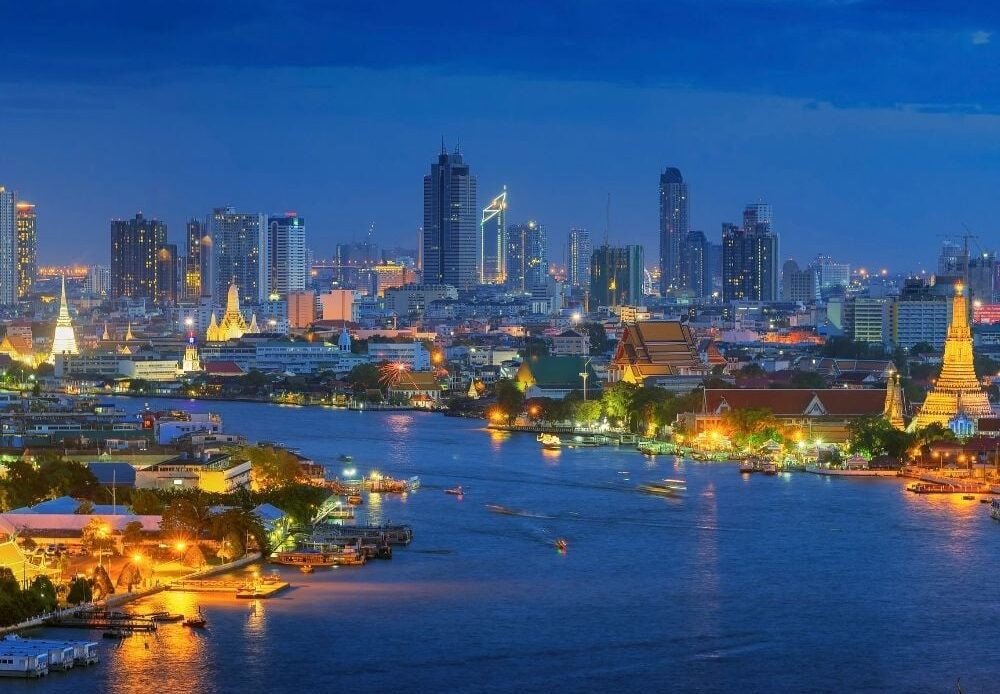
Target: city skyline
{"x":889,"y":147}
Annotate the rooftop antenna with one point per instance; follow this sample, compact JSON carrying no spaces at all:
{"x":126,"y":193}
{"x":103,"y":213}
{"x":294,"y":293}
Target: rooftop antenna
{"x":443,"y":151}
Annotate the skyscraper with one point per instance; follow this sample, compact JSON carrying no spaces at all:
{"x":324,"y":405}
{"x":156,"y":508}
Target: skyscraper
{"x":493,"y":241}
{"x":27,"y":247}
{"x":527,"y":256}
{"x":8,"y":247}
{"x":166,"y":275}
{"x":239,"y":254}
{"x":449,"y":238}
{"x":194,"y":233}
{"x":616,"y":275}
{"x":750,"y":257}
{"x":135,"y":245}
{"x":578,"y":252}
{"x":286,"y":245}
{"x":694,"y":276}
{"x":674,"y":226}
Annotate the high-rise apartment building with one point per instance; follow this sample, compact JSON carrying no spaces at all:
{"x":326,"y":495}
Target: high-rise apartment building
{"x":674,"y":227}
{"x":527,"y":256}
{"x":194,"y":239}
{"x":239,"y":251}
{"x":166,"y":275}
{"x":493,"y":241}
{"x":286,"y":245}
{"x":616,"y":275}
{"x":750,"y":257}
{"x":578,"y":252}
{"x":135,"y":246}
{"x":8,"y":247}
{"x":831,"y":273}
{"x":450,"y":244}
{"x":799,"y":284}
{"x":27,"y":247}
{"x":98,"y":282}
{"x":694,"y":272}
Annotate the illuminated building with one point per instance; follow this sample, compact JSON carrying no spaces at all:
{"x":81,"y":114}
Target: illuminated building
{"x":493,"y":242}
{"x":27,"y":247}
{"x":239,"y":253}
{"x":286,"y":249}
{"x":8,"y":247}
{"x":166,"y":275}
{"x":527,"y":256}
{"x":957,"y":390}
{"x":135,"y":246}
{"x":798,"y":284}
{"x":653,"y":350}
{"x":449,"y":242}
{"x":232,"y":326}
{"x":64,"y":339}
{"x":894,"y":401}
{"x":616,"y":276}
{"x":694,"y":276}
{"x":391,"y":275}
{"x":673,"y":227}
{"x":98,"y":282}
{"x":750,"y":257}
{"x":194,"y":233}
{"x":191,"y":361}
{"x":301,"y":309}
{"x":578,"y":251}
{"x":831,"y":273}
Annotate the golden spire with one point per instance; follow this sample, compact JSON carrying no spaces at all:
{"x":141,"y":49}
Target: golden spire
{"x":104,"y":335}
{"x":64,"y":339}
{"x":128,"y":332}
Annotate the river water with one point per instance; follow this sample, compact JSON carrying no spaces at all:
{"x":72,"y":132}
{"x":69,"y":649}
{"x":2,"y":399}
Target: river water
{"x":787,"y":583}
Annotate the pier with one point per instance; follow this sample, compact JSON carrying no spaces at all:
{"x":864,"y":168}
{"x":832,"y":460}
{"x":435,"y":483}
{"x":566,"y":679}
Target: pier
{"x":241,"y":589}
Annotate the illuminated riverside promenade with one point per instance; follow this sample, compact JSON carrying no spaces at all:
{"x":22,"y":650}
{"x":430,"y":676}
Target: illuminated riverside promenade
{"x":759,"y":583}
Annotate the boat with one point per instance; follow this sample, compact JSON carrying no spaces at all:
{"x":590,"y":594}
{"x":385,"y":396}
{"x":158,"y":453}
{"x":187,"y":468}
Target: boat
{"x":198,"y":622}
{"x":344,"y":458}
{"x":995,"y":509}
{"x":303,"y":558}
{"x":116,"y":633}
{"x":747,"y":466}
{"x":355,"y":500}
{"x":166,"y":617}
{"x":455,"y":491}
{"x":968,"y":497}
{"x":504,"y":511}
{"x":550,"y":441}
{"x":769,"y":468}
{"x":561,"y":544}
{"x":663,"y":487}
{"x":413,"y":483}
{"x":306,"y":568}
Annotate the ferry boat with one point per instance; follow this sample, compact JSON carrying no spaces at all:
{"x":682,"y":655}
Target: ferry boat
{"x":166,"y":617}
{"x":664,"y":487}
{"x":550,"y":441}
{"x":769,"y":468}
{"x":303,"y":558}
{"x":17,"y":662}
{"x":747,"y":466}
{"x":995,"y":509}
{"x":355,"y":500}
{"x":938,"y":488}
{"x":70,"y":652}
{"x":561,"y":545}
{"x":387,"y":485}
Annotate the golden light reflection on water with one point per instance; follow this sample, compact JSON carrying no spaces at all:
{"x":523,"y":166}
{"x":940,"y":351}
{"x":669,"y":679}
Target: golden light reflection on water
{"x":374,"y":509}
{"x":551,"y":456}
{"x":960,"y":515}
{"x":708,"y":556}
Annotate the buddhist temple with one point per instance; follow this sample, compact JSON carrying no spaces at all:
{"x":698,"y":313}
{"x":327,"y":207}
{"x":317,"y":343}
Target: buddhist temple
{"x":232,"y":326}
{"x":64,"y":340}
{"x":894,"y":401}
{"x":957,"y":390}
{"x":652,"y":350}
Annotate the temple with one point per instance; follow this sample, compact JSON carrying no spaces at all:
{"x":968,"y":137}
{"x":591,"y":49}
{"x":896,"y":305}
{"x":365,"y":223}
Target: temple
{"x":232,"y":326}
{"x":64,"y":340}
{"x":894,"y":401}
{"x":957,"y":390}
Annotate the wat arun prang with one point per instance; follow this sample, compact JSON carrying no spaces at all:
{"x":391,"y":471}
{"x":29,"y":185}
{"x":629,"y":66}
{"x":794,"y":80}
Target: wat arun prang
{"x":957,"y":390}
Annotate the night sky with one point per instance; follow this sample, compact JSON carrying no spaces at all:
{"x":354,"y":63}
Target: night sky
{"x":871,"y":127}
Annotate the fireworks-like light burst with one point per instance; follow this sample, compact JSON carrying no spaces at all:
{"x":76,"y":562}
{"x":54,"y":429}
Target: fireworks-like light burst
{"x":390,"y":374}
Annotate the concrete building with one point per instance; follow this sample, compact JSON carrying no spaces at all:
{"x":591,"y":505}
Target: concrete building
{"x":527,"y":256}
{"x":8,"y":247}
{"x":301,"y":309}
{"x":578,"y":252}
{"x":413,"y":299}
{"x":750,"y":257}
{"x":135,"y":248}
{"x":337,"y":304}
{"x":867,"y":320}
{"x":674,"y":227}
{"x":616,"y":276}
{"x":27,"y":247}
{"x":450,"y":243}
{"x":413,"y":354}
{"x":286,"y":249}
{"x":570,"y":343}
{"x":239,"y":252}
{"x":799,"y":284}
{"x":920,"y":321}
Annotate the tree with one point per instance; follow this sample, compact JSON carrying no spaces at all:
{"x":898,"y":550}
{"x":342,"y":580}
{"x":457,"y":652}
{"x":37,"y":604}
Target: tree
{"x":922,"y":348}
{"x":79,"y":591}
{"x":85,"y":508}
{"x":510,"y":399}
{"x":589,"y":411}
{"x":807,"y":379}
{"x":752,"y":426}
{"x":271,"y":467}
{"x":185,"y":518}
{"x":617,"y":399}
{"x":363,"y":377}
{"x":145,"y":502}
{"x":132,"y":533}
{"x":875,"y":436}
{"x":234,"y":525}
{"x":96,"y":535}
{"x":44,"y":592}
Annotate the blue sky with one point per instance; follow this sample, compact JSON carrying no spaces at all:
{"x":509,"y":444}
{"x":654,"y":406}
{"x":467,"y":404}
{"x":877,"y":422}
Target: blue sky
{"x":871,"y":127}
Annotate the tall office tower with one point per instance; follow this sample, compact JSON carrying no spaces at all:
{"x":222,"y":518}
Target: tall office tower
{"x":135,"y":245}
{"x":193,"y":239}
{"x":982,"y":277}
{"x":527,"y":256}
{"x":616,"y":274}
{"x":166,"y":275}
{"x":239,"y":254}
{"x":286,"y":246}
{"x":578,"y":252}
{"x":694,"y":275}
{"x":750,"y":257}
{"x":493,"y":241}
{"x":799,"y":284}
{"x":951,"y":261}
{"x":8,"y":247}
{"x":674,"y":226}
{"x":98,"y":281}
{"x":449,"y":241}
{"x":27,"y":247}
{"x":713,"y":267}
{"x":831,"y":273}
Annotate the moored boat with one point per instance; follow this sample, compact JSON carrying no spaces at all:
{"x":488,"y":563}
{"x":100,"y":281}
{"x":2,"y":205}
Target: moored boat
{"x":550,"y":441}
{"x":306,"y":568}
{"x":746,"y":466}
{"x":198,"y":622}
{"x":769,"y":468}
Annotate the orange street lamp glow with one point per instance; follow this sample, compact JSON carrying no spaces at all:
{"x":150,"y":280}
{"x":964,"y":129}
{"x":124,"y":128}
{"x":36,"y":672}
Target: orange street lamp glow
{"x":181,"y":546}
{"x":137,"y":558}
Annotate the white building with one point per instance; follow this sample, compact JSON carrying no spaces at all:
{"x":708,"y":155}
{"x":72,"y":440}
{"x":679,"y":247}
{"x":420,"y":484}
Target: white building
{"x":287,"y":253}
{"x":413,"y":354}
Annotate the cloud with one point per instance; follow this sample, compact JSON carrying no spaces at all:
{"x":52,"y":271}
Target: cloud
{"x":981,"y":38}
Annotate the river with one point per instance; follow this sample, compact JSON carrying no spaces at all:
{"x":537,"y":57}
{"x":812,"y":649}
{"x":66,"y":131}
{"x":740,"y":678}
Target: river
{"x":787,"y":583}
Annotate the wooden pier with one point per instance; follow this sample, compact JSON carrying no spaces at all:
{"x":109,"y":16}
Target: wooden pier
{"x":262,"y":589}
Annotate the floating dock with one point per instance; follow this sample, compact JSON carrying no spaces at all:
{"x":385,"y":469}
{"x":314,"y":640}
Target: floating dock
{"x":239,"y":589}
